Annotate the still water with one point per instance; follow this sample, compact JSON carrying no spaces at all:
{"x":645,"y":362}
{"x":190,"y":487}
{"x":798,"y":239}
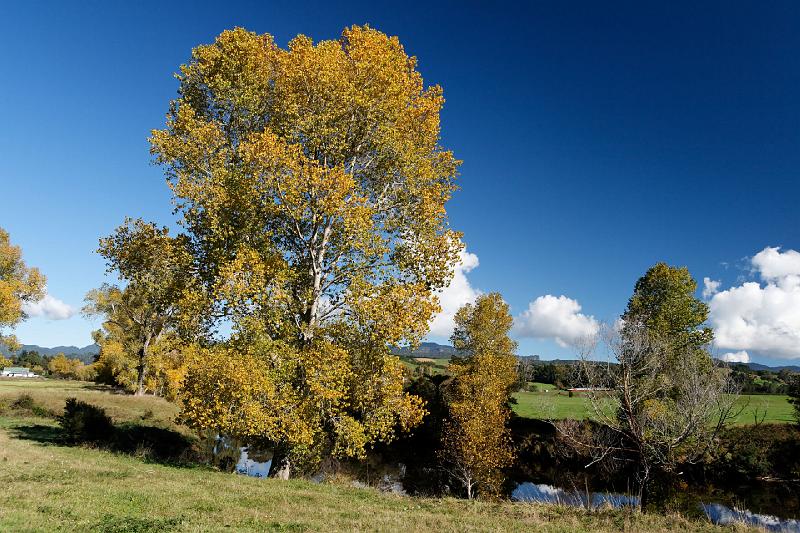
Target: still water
{"x":251,"y":467}
{"x":257,"y":463}
{"x":716,"y":512}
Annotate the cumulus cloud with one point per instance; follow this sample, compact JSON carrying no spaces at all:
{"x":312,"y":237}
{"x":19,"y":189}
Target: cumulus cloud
{"x":459,"y":293}
{"x":49,"y":307}
{"x":774,"y":265}
{"x":710,"y":287}
{"x":558,"y":318}
{"x":762,"y":316}
{"x":736,"y":357}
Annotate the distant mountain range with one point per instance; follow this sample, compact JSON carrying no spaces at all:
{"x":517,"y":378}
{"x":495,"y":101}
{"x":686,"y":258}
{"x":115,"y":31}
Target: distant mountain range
{"x":85,"y":354}
{"x":434,"y":350}
{"x":431,"y":350}
{"x":759,"y":366}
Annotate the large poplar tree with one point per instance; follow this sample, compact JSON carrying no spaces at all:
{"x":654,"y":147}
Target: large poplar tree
{"x":312,"y":186}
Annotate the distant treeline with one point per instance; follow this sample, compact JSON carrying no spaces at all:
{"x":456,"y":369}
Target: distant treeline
{"x":568,"y":374}
{"x":762,"y":381}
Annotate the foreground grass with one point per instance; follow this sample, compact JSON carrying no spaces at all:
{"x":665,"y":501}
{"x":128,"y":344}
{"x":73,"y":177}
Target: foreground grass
{"x":557,"y":405}
{"x":48,"y":487}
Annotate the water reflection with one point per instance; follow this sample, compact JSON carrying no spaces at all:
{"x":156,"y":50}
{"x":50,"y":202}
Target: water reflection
{"x":247,"y":460}
{"x":252,"y":467}
{"x":717,"y":513}
{"x":720,"y":514}
{"x":541,"y":492}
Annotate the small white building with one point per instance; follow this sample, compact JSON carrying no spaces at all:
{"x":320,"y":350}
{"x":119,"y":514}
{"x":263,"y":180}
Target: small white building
{"x":17,"y":372}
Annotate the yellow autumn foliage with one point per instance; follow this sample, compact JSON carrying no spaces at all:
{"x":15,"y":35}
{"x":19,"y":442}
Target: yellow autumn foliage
{"x":312,"y":186}
{"x":18,"y":284}
{"x":312,"y":402}
{"x":476,"y":441}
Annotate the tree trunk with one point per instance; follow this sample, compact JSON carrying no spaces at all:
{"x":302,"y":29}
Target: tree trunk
{"x":140,"y":374}
{"x":644,"y":487}
{"x":141,"y":367}
{"x":315,"y":273}
{"x":281,"y":467}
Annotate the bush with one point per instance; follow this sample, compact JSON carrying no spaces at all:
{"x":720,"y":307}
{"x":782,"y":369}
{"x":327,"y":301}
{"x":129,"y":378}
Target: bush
{"x":24,"y":401}
{"x":83,"y":422}
{"x":762,"y":451}
{"x":794,"y":396}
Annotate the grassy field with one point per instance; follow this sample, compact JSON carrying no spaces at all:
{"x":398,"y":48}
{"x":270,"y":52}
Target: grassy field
{"x":557,"y":405}
{"x":436,"y":365}
{"x":48,"y":486}
{"x":51,"y":394}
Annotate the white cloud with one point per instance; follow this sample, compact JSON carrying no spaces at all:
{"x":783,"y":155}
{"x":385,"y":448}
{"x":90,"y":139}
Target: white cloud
{"x":736,"y":357}
{"x":774,"y":265}
{"x":710,"y":287}
{"x":49,"y":307}
{"x":558,"y":318}
{"x":762,"y":316}
{"x":455,"y":295}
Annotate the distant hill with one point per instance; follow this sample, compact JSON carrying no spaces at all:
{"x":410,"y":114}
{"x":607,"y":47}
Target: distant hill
{"x":759,"y":366}
{"x":85,"y":354}
{"x":427,"y":349}
{"x":434,"y":350}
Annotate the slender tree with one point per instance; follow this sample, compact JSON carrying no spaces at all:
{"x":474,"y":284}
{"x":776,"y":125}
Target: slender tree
{"x":660,"y":400}
{"x":476,"y":442}
{"x":156,"y":268}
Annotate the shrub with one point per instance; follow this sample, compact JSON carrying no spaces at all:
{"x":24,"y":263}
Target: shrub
{"x":83,"y":422}
{"x":794,"y":396}
{"x":25,"y":402}
{"x":767,"y":450}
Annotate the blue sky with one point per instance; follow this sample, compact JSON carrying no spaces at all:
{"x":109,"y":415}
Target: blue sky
{"x":596,"y":139}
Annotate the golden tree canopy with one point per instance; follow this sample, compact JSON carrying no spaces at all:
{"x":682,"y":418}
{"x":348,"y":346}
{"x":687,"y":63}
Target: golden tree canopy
{"x":312,"y":182}
{"x":312,"y":188}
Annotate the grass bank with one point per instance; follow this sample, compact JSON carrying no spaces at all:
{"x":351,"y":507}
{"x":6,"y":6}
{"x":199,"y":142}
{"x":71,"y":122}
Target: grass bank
{"x":52,"y":393}
{"x":48,"y":486}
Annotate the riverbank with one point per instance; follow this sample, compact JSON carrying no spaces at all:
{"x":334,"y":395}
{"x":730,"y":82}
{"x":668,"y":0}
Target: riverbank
{"x":47,"y":486}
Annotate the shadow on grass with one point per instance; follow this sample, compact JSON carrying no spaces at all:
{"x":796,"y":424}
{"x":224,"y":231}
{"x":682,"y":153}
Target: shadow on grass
{"x":152,"y":444}
{"x":40,"y":433}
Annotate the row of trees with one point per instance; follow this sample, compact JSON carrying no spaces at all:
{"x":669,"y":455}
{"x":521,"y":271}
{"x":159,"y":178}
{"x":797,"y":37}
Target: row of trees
{"x":311,"y":190}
